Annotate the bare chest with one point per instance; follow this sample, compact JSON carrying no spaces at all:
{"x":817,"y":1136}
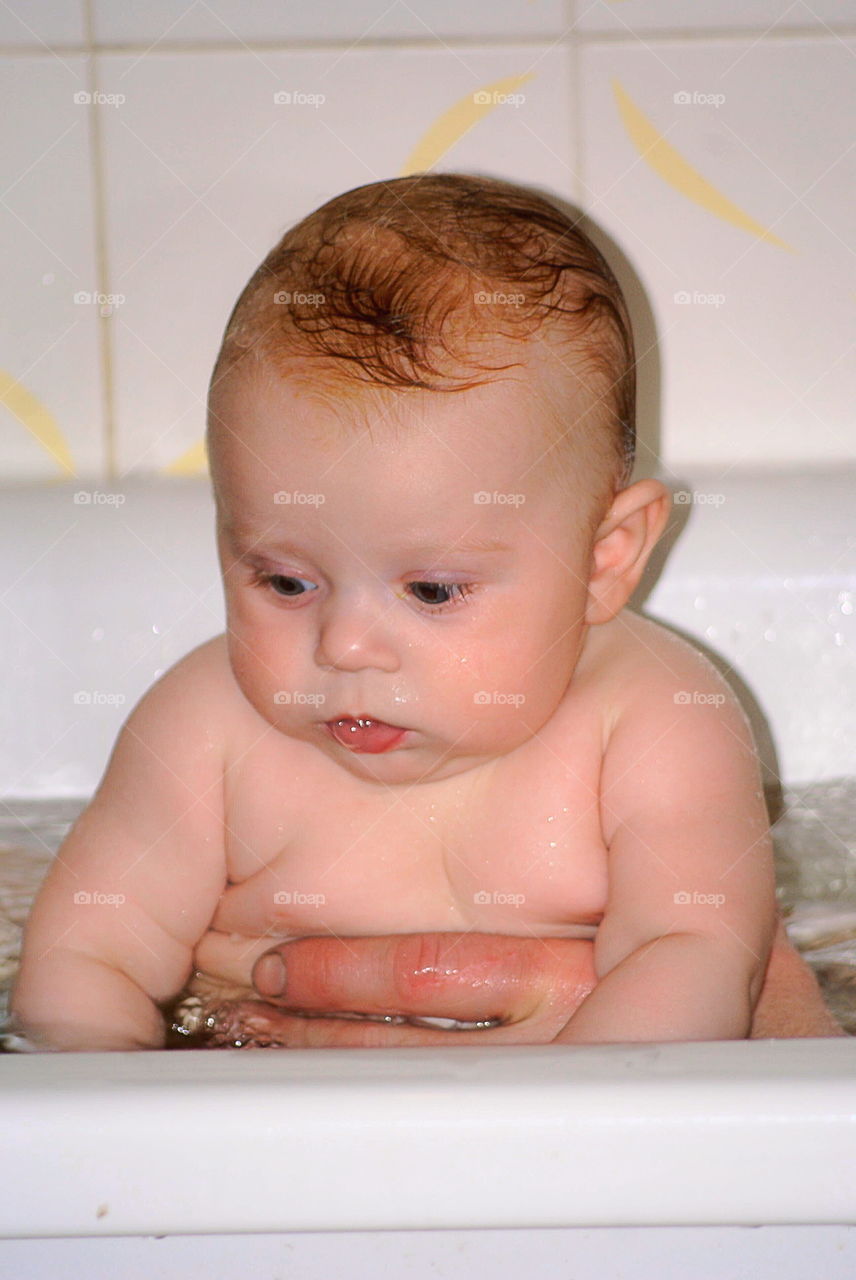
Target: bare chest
{"x":514,"y":847}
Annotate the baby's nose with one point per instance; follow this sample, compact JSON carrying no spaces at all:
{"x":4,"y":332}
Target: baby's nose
{"x":356,"y":635}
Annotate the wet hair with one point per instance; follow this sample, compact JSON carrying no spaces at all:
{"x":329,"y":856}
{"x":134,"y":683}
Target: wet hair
{"x":402,"y":283}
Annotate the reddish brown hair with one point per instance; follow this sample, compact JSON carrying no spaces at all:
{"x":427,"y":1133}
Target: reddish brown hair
{"x":399,"y":283}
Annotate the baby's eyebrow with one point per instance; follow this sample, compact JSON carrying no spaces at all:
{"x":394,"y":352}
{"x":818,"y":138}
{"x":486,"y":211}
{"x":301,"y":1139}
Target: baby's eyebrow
{"x":454,"y":548}
{"x":250,"y":542}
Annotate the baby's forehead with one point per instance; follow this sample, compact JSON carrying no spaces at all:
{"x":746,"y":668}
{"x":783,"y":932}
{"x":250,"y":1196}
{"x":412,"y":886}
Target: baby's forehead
{"x":525,"y":407}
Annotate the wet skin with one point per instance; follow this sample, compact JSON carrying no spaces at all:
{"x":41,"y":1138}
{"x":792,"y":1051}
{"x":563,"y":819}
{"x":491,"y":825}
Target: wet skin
{"x":531,"y":987}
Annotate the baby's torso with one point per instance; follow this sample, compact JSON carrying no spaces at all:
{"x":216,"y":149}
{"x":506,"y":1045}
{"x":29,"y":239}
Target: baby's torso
{"x":511,"y":847}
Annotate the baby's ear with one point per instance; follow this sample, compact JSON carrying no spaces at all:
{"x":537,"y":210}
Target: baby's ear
{"x":622,"y":544}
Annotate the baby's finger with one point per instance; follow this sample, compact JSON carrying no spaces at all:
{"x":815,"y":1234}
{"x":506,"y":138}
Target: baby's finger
{"x":472,"y":977}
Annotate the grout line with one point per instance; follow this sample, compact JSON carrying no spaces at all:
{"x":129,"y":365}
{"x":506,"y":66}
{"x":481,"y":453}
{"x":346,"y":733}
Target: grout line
{"x":102,"y":264}
{"x":488,"y":43}
{"x":576,"y":97}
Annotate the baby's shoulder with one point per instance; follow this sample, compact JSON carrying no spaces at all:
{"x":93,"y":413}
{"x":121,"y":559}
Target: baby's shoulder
{"x":196,"y":690}
{"x":639,"y":663}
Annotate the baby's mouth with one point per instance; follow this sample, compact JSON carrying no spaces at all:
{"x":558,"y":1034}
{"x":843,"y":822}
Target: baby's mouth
{"x":365,"y":734}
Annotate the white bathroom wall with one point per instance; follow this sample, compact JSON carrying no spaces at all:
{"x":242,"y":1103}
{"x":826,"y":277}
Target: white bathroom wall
{"x":147,"y":168}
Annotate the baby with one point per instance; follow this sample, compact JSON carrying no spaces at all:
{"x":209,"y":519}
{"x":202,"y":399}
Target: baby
{"x":431,"y":710}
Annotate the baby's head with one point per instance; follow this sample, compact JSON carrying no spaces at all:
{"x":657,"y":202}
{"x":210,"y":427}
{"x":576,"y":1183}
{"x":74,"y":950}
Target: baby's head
{"x":421,"y":429}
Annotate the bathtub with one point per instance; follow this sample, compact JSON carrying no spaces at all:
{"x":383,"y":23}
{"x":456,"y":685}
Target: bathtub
{"x":734,"y":1158}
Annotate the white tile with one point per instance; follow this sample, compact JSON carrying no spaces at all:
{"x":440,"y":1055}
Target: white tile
{"x":50,"y":344}
{"x":628,"y":17}
{"x":766,"y":375}
{"x":205,"y":172}
{"x":36,"y":23}
{"x":271,"y":20}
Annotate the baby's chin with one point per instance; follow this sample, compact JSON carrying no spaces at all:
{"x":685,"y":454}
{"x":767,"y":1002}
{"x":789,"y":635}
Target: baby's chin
{"x":423,"y":758}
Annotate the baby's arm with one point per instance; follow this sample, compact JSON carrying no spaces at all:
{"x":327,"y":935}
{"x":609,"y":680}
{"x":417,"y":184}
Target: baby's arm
{"x":136,"y":881}
{"x":683,"y":946}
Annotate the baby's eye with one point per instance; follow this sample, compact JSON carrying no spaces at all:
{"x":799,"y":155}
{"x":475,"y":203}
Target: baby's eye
{"x":284,"y":585}
{"x":434,"y":591}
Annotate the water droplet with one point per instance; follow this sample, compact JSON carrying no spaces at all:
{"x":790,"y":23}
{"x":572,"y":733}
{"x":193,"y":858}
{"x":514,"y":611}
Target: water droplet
{"x":699,"y":603}
{"x":769,"y":634}
{"x":98,"y":633}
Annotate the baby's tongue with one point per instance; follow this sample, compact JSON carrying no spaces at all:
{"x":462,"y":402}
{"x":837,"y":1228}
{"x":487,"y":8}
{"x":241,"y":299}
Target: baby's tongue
{"x":372,"y":736}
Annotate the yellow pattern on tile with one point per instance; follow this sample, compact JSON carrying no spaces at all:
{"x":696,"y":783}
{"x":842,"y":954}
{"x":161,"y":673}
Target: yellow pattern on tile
{"x":36,"y":418}
{"x":670,"y":165}
{"x":193,"y":462}
{"x":448,"y":128}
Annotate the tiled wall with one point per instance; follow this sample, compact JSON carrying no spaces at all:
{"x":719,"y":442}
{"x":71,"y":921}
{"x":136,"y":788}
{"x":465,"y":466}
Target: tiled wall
{"x":147,"y":167}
